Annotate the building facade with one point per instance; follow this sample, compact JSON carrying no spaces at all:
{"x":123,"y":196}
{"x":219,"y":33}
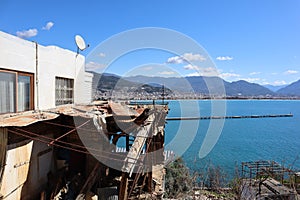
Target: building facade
{"x":36,"y":77}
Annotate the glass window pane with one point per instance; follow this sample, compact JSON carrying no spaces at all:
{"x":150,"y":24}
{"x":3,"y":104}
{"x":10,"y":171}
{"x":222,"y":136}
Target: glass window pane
{"x":7,"y":92}
{"x":64,"y":91}
{"x":23,"y":93}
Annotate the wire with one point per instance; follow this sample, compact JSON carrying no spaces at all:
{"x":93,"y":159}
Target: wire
{"x":66,"y":126}
{"x":68,"y":143}
{"x":65,"y":147}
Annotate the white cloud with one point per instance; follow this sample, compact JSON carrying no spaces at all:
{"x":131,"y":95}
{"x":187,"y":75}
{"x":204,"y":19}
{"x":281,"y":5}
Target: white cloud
{"x":48,"y":26}
{"x":276,"y":83}
{"x":94,"y":66}
{"x":209,"y":71}
{"x":147,"y":68}
{"x":167,"y":72}
{"x":191,"y":67}
{"x":229,"y":75}
{"x":251,"y":80}
{"x":289,"y":72}
{"x":193,"y":57}
{"x":187,"y":57}
{"x":254,"y":73}
{"x":102,"y":55}
{"x":175,"y":60}
{"x":27,"y":33}
{"x":194,"y":74}
{"x":224,"y":58}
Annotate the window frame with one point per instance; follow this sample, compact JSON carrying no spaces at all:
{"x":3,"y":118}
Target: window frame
{"x":31,"y":89}
{"x":71,"y":81}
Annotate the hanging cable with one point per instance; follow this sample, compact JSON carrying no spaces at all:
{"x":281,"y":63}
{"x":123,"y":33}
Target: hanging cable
{"x":109,"y":157}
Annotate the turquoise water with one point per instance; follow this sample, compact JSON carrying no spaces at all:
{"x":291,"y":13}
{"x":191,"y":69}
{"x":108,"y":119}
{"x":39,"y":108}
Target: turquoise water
{"x":240,"y":139}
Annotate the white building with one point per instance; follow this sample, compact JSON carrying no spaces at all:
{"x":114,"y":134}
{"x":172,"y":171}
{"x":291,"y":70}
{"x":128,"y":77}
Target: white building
{"x":36,"y":77}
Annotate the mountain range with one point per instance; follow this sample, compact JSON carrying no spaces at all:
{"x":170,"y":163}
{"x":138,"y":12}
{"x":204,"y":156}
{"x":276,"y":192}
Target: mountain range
{"x":197,"y":84}
{"x":207,"y":85}
{"x":274,"y":88}
{"x":292,"y":89}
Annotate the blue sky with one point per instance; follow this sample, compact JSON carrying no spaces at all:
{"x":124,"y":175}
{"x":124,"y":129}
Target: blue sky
{"x":257,"y":40}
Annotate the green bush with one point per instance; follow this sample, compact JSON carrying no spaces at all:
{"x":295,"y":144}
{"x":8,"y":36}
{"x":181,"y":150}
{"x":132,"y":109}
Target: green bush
{"x":178,"y":179}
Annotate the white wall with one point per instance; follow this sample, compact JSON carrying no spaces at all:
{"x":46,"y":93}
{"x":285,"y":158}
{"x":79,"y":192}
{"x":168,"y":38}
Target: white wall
{"x":16,"y":53}
{"x":20,"y":55}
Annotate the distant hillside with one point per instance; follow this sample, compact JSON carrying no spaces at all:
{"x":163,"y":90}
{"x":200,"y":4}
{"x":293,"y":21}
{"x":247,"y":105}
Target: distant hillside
{"x":291,"y":90}
{"x":245,"y":88}
{"x":106,"y":82}
{"x":274,"y":88}
{"x":173,"y":83}
{"x":199,"y":84}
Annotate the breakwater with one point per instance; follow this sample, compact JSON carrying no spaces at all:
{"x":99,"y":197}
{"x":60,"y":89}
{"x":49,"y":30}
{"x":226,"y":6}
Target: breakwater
{"x":229,"y":117}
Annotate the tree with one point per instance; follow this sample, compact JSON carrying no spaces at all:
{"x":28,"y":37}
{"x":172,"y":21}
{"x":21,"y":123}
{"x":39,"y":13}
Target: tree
{"x":178,"y":179}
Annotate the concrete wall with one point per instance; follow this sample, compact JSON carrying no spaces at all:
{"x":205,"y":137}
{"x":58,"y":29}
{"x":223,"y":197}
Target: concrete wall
{"x":21,"y":55}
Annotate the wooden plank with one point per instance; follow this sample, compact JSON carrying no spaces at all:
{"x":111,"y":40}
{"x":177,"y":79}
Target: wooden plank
{"x":122,"y":110}
{"x":137,"y":146}
{"x":90,"y":180}
{"x":149,"y":182}
{"x":123,"y":192}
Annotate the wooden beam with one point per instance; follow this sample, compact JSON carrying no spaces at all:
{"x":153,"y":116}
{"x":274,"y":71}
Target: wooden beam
{"x":127,"y":143}
{"x":90,"y":180}
{"x":71,"y":131}
{"x":149,"y":182}
{"x":123,"y":191}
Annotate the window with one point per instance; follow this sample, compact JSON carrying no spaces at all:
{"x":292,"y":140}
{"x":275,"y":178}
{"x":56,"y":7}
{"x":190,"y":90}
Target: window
{"x":16,"y":91}
{"x":64,"y":91}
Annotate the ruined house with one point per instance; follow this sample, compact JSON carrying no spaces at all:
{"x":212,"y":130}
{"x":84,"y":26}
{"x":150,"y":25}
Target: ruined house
{"x":265,"y":179}
{"x":56,"y":144}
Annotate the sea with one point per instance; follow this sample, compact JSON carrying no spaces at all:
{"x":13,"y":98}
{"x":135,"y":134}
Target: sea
{"x":226,"y":143}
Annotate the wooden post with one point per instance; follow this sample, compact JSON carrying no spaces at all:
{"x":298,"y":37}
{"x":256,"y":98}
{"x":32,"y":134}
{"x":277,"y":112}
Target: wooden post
{"x":150,"y":148}
{"x":127,"y":142}
{"x":123,"y":191}
{"x":149,"y":182}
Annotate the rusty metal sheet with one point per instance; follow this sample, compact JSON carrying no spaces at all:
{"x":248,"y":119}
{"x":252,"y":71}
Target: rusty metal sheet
{"x":122,"y":110}
{"x":25,"y":119}
{"x":30,"y":117}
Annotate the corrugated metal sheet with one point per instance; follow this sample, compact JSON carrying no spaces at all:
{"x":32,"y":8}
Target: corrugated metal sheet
{"x":122,"y":110}
{"x":16,"y":171}
{"x":25,"y":119}
{"x":31,"y":117}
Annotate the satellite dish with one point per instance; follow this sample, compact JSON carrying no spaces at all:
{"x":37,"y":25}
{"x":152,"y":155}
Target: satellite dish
{"x":80,"y":43}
